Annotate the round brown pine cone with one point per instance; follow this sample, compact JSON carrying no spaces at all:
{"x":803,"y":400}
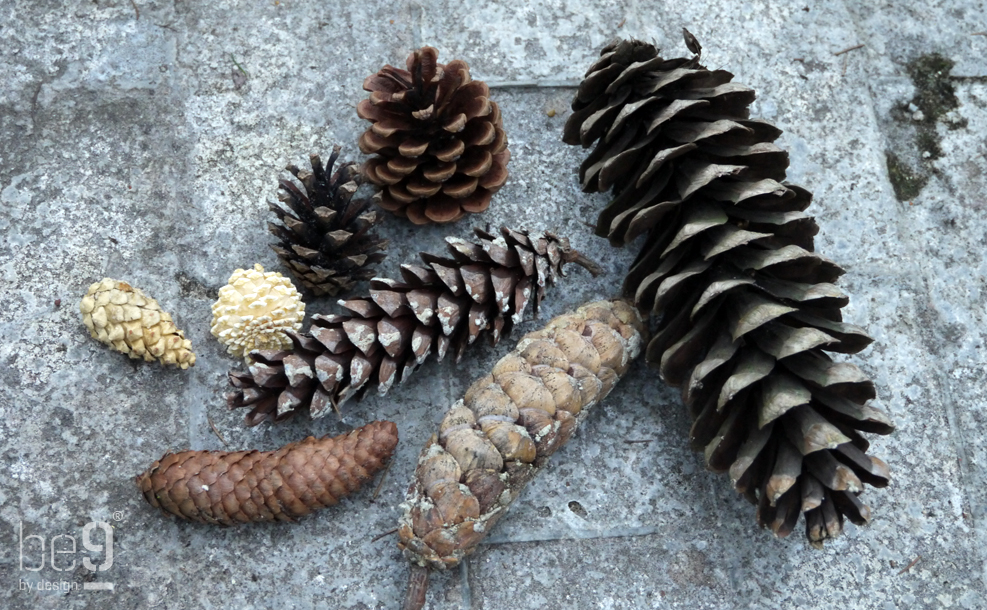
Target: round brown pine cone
{"x":439,"y":142}
{"x":231,"y":487}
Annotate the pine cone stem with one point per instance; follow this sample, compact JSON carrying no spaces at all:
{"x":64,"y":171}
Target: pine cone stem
{"x":228,"y":488}
{"x":583,"y":261}
{"x":483,"y":287}
{"x":414,"y":599}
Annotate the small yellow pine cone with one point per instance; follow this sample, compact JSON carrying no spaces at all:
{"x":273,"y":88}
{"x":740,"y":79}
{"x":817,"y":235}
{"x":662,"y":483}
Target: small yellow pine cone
{"x":131,"y":322}
{"x":254,"y":310}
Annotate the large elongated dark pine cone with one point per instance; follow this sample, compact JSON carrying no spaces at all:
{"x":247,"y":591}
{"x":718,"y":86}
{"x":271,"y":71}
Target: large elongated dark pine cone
{"x":325,"y":237}
{"x":439,"y":142}
{"x":483,"y":286}
{"x":745,"y":310}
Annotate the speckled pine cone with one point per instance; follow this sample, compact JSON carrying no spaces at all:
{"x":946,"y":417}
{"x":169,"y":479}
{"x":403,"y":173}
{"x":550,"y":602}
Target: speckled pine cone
{"x":227,"y":488}
{"x":133,"y":323}
{"x":483,"y":287}
{"x":325,"y":237}
{"x":439,"y":143}
{"x":494,"y":440}
{"x":746,"y":311}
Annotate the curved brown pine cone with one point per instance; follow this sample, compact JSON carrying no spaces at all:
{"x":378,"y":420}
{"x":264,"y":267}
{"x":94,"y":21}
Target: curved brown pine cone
{"x":494,"y":440}
{"x":325,"y":237}
{"x":745,"y":310}
{"x":227,"y":488}
{"x":482,"y":287}
{"x":129,"y":321}
{"x":439,"y":142}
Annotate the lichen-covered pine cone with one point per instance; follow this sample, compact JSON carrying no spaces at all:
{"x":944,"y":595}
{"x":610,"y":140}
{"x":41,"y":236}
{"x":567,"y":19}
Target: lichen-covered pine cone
{"x":745,"y":310}
{"x":439,"y":143}
{"x":484,"y":286}
{"x":494,"y":440}
{"x":231,"y":487}
{"x":131,"y":322}
{"x":325,"y":237}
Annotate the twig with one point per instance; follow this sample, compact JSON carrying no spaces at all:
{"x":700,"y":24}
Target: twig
{"x":417,"y":588}
{"x":848,"y":49}
{"x":845,"y":61}
{"x":979,"y":34}
{"x":622,"y":22}
{"x":381,"y":483}
{"x":166,"y":26}
{"x":387,"y":533}
{"x":215,"y":431}
{"x":799,"y":59}
{"x":134,"y":4}
{"x":643,"y":440}
{"x":909,"y":566}
{"x":237,"y":64}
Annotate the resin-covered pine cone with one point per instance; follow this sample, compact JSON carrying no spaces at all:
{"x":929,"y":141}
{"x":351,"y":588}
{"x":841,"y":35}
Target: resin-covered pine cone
{"x":439,"y":143}
{"x":231,"y":487}
{"x":494,"y":440}
{"x":483,"y":287}
{"x":325,"y":237}
{"x":746,"y":311}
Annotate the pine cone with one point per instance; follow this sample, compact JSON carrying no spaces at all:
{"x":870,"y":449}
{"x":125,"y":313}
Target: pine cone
{"x":444,"y":305}
{"x":494,"y":440}
{"x":255,"y":310}
{"x":131,"y":322}
{"x":325,"y":236}
{"x":745,"y":310}
{"x":440,"y":146}
{"x":227,"y":488}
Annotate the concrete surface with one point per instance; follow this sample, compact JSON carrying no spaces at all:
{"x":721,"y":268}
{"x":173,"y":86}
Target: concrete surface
{"x":131,"y":147}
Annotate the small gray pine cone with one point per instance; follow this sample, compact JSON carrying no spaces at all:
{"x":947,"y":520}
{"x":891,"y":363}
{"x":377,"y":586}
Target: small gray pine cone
{"x":745,"y":310}
{"x":483,"y":287}
{"x":325,"y":237}
{"x":439,"y":142}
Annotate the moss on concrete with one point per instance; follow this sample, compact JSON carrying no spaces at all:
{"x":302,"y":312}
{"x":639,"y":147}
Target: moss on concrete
{"x":934,"y":98}
{"x":907,"y":183}
{"x":934,"y":93}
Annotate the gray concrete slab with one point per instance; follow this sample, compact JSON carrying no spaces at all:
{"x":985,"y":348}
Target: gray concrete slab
{"x":128,"y":149}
